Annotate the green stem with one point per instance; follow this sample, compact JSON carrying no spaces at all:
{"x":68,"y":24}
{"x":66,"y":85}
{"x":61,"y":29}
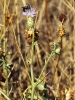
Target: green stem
{"x":38,"y":82}
{"x":6,"y":73}
{"x":4,"y":25}
{"x":51,"y":55}
{"x":32,"y":73}
{"x":1,"y":91}
{"x":5,"y":47}
{"x":7,"y":82}
{"x":4,"y":44}
{"x":32,"y":94}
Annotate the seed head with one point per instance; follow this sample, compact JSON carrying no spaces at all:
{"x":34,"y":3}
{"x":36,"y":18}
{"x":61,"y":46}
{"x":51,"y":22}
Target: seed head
{"x":62,"y":17}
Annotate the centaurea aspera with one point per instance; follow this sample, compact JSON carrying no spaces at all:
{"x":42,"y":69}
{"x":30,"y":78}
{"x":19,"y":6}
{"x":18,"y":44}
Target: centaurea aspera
{"x":30,"y":11}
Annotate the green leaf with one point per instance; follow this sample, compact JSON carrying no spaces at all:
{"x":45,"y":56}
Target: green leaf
{"x":44,"y":98}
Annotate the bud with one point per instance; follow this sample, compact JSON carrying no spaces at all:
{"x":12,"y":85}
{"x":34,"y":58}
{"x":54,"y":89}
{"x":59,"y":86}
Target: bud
{"x":30,"y":22}
{"x":62,"y":17}
{"x":57,"y":51}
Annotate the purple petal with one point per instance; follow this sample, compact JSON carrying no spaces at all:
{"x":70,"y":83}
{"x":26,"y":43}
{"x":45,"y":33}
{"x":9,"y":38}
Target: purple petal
{"x":30,"y":12}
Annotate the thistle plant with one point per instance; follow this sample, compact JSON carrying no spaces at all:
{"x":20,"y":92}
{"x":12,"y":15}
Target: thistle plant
{"x":30,"y":13}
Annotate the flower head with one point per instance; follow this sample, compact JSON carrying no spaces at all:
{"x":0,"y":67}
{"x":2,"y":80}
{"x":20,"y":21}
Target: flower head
{"x":9,"y":18}
{"x":29,"y":11}
{"x":61,"y":31}
{"x":29,"y":34}
{"x":62,"y":17}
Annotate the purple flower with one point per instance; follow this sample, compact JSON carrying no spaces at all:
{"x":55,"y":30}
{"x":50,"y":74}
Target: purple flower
{"x":29,"y":11}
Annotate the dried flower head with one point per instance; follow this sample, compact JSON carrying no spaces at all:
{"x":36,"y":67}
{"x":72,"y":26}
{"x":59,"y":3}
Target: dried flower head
{"x":29,"y":11}
{"x":29,"y":34}
{"x":9,"y":18}
{"x":61,"y":31}
{"x":62,"y":17}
